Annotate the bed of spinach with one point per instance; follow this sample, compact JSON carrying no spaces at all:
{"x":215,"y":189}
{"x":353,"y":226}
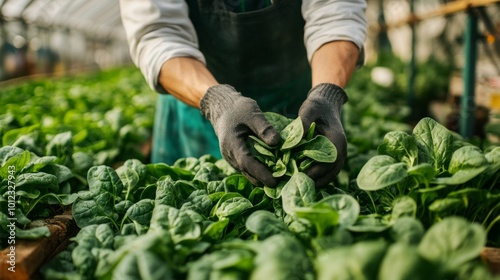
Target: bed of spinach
{"x":200,"y":219}
{"x":53,"y":130}
{"x":32,"y":187}
{"x":109,"y":114}
{"x":438,"y":173}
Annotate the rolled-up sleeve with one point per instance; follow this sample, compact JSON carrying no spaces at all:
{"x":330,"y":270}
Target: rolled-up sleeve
{"x":328,"y":21}
{"x":158,"y":30}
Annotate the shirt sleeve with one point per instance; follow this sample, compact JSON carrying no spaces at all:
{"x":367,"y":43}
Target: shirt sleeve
{"x":158,"y":30}
{"x":334,"y":20}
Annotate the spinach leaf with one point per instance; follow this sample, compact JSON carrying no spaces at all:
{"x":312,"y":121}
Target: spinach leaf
{"x":233,"y":207}
{"x":283,"y":257}
{"x":264,"y":224}
{"x":359,"y":261}
{"x":346,"y":206}
{"x":380,"y":172}
{"x":434,"y":142}
{"x":465,"y":164}
{"x":279,"y":122}
{"x":402,"y":261}
{"x":319,"y":149}
{"x":299,"y":191}
{"x":292,"y":134}
{"x":401,"y":146}
{"x":96,"y":205}
{"x":452,"y":242}
{"x":407,"y":230}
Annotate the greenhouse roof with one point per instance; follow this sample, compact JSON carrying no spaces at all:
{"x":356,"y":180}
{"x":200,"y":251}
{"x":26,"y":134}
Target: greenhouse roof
{"x":99,"y":18}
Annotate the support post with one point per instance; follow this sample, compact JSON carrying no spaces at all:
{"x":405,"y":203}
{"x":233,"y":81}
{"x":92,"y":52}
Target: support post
{"x":468,"y":106}
{"x":412,"y":66}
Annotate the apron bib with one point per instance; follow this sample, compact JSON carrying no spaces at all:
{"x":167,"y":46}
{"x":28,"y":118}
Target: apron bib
{"x":261,"y":53}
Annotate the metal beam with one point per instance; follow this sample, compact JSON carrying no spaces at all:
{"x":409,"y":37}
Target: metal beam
{"x":468,"y":106}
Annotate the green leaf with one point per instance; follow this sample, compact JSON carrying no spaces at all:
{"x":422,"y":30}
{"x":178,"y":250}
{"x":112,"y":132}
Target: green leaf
{"x":237,"y":183}
{"x":380,"y":172}
{"x":15,"y":163}
{"x":10,"y":137}
{"x":181,"y":225}
{"x":369,"y":223}
{"x":465,"y":164}
{"x":402,"y":261}
{"x":159,"y":170}
{"x":292,"y":134}
{"x":275,"y":192}
{"x":33,"y":233}
{"x":61,"y":146}
{"x":493,"y":158}
{"x":140,"y":214}
{"x":468,"y":157}
{"x":403,"y":206}
{"x":407,"y":230}
{"x":98,"y":204}
{"x":233,"y":207}
{"x":264,"y":224}
{"x":319,"y":149}
{"x":299,"y":191}
{"x":346,"y":206}
{"x":424,"y":170}
{"x":322,"y":216}
{"x":262,"y":145}
{"x":401,"y":146}
{"x":278,"y":121}
{"x":39,"y":180}
{"x":282,"y":257}
{"x":311,"y":131}
{"x":359,"y":261}
{"x":62,"y":172}
{"x":447,"y":205}
{"x":142,"y":264}
{"x":452,"y":242}
{"x":279,"y":169}
{"x":215,"y":231}
{"x":435,"y":143}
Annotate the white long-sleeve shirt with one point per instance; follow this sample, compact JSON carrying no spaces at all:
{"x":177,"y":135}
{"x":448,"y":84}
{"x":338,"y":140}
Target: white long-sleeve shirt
{"x":158,"y":30}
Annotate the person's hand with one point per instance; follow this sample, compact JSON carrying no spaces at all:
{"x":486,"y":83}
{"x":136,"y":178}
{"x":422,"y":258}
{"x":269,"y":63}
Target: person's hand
{"x":322,"y":106}
{"x":235,"y":117}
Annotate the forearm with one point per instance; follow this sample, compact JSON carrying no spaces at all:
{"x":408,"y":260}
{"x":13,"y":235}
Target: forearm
{"x":187,"y":79}
{"x":334,"y":62}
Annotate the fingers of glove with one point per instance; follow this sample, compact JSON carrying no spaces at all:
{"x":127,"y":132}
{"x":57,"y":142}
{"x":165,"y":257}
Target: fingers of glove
{"x":252,"y":180}
{"x":324,"y":173}
{"x":248,"y":164}
{"x":239,"y":156}
{"x":335,"y":133}
{"x":263,"y":129}
{"x":305,"y":115}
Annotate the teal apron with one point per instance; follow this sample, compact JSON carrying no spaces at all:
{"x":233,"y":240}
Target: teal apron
{"x":261,"y":53}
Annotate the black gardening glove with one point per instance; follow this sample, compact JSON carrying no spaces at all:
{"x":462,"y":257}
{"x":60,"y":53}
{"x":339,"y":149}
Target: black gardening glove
{"x":235,"y":117}
{"x":322,"y":106}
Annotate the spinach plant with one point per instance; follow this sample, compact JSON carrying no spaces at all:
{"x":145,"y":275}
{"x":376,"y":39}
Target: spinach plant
{"x":444,"y":174}
{"x":31,"y":188}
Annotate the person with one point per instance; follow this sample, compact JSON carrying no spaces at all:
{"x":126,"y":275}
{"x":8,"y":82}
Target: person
{"x":232,"y":60}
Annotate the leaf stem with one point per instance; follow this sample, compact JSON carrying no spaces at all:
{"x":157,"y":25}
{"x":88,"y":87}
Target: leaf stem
{"x":32,"y":205}
{"x":490,"y":226}
{"x":489,"y":213}
{"x":373,"y":202}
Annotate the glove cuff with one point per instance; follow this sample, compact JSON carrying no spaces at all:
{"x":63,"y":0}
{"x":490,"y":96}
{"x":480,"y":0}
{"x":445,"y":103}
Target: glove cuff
{"x":334,"y":94}
{"x":217,"y":99}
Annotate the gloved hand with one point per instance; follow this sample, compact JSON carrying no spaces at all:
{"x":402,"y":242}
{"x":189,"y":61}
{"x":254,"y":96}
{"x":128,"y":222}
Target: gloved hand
{"x":323,"y":105}
{"x":235,"y":117}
